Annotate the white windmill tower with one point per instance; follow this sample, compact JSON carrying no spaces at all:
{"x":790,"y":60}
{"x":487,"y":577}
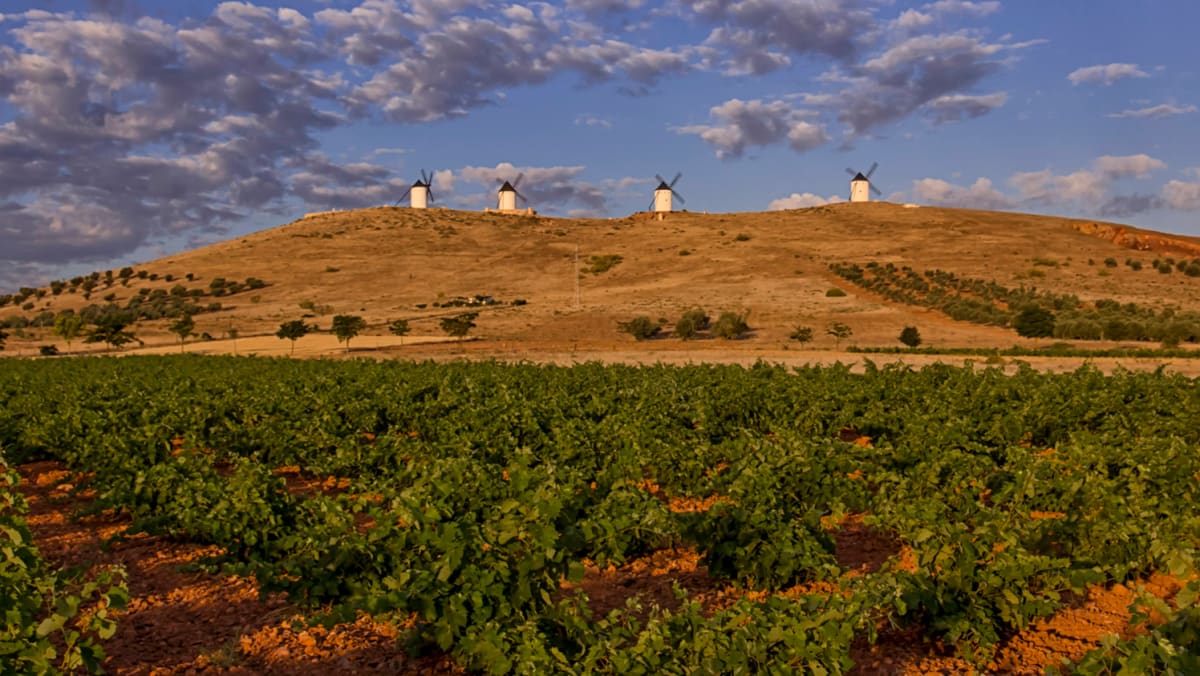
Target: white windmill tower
{"x":507,"y":196}
{"x":860,"y":184}
{"x":421,"y":192}
{"x":663,"y":194}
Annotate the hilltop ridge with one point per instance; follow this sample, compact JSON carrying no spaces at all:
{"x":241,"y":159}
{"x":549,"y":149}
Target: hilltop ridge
{"x":389,"y":263}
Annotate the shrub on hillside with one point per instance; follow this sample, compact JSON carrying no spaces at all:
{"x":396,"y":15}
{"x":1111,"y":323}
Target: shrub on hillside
{"x":730,"y":325}
{"x":641,"y":328}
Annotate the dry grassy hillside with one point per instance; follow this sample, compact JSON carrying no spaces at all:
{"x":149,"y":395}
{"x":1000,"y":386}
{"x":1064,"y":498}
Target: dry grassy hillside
{"x":383,"y":263}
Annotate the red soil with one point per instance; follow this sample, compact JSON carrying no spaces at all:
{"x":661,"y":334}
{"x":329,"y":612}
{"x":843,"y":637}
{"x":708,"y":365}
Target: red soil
{"x":192,"y":622}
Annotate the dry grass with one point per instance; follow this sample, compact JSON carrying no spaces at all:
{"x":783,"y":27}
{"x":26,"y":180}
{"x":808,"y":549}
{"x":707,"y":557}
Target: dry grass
{"x":389,"y":260}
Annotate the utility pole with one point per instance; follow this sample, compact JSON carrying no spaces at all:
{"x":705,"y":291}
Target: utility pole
{"x":578,"y":297}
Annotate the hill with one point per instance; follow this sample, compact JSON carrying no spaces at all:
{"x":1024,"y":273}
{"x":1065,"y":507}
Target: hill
{"x":394,"y":263}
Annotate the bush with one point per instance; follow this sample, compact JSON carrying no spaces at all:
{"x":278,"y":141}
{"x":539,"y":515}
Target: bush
{"x":742,"y":237}
{"x":802,"y":334}
{"x":599,"y":264}
{"x":730,"y":325}
{"x":835,"y":293}
{"x":1110,"y":262}
{"x":910,"y":336}
{"x":692,"y":322}
{"x":1034,"y":322}
{"x":52,"y":351}
{"x":641,"y":328}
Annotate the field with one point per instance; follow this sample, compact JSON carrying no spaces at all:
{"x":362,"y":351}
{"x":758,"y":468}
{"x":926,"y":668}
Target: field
{"x":389,"y":263}
{"x":519,"y":518}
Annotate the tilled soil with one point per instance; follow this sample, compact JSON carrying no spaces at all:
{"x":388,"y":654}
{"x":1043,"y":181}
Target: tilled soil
{"x":181,"y":622}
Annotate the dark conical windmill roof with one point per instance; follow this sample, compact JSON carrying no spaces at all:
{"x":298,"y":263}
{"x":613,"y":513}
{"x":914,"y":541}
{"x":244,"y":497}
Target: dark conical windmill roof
{"x":859,"y":177}
{"x":507,"y":187}
{"x":662,"y":185}
{"x":420,"y":184}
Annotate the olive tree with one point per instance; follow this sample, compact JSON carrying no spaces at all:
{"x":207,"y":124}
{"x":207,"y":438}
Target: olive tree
{"x":346,"y":327}
{"x":293,"y":331}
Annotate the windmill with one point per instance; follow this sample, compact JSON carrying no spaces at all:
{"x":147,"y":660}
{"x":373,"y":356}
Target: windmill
{"x":421,"y":192}
{"x":664,"y":192}
{"x":860,"y":186}
{"x":508,"y":194}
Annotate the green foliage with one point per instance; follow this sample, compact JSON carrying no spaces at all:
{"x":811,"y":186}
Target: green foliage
{"x":459,"y":326}
{"x":835,"y":292}
{"x":346,"y":327}
{"x":68,"y":327}
{"x":1034,"y":322}
{"x":110,"y":329}
{"x":802,"y":334}
{"x":910,"y":336}
{"x":182,"y":327}
{"x":730,"y":325}
{"x":53,"y":622}
{"x":641,"y":328}
{"x":3,"y":337}
{"x":293,"y":331}
{"x":472,"y":490}
{"x":691,"y":323}
{"x":399,"y":327}
{"x":602,"y":263}
{"x":48,"y":350}
{"x":839,"y":332}
{"x":1110,"y":262}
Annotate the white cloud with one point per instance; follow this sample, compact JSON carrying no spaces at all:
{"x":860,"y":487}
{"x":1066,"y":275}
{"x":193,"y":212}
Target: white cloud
{"x":802,"y":201}
{"x":957,"y":107}
{"x":1159,"y":111}
{"x":592,"y":121}
{"x":1182,"y":196}
{"x":742,"y":124}
{"x":979,"y":195}
{"x":1105,"y":74}
{"x":1138,"y":166}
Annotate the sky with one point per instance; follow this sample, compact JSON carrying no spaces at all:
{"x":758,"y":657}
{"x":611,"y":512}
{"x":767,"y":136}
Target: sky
{"x":132,"y":129}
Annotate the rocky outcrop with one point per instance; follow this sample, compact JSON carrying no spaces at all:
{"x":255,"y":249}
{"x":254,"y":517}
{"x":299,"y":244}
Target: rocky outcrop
{"x":1132,"y":238}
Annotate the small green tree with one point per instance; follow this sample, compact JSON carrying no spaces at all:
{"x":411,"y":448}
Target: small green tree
{"x":346,"y":327}
{"x":840,"y":332}
{"x":110,"y":330}
{"x":730,"y":325}
{"x":1034,"y":322}
{"x":460,"y":325}
{"x":3,"y":337}
{"x":399,"y":327}
{"x":182,"y":327}
{"x":293,"y":331}
{"x":802,"y":334}
{"x":692,"y":322}
{"x":641,"y":328}
{"x":910,"y":336}
{"x":68,"y":327}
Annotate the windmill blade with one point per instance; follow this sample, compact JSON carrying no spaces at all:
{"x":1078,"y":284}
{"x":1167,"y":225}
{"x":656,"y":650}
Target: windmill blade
{"x":651,"y":207}
{"x":426,"y":179}
{"x":517,"y":181}
{"x":429,"y":192}
{"x":874,"y":189}
{"x":520,"y":196}
{"x":406,"y":192}
{"x":675,"y":180}
{"x":678,"y":196}
{"x":660,"y":178}
{"x":851,"y":171}
{"x":870,"y":171}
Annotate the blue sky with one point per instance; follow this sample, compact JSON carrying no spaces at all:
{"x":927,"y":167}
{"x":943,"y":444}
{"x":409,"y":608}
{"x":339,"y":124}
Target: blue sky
{"x":130,"y":129}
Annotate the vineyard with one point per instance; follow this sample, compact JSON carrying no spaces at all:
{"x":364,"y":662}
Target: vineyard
{"x":464,"y":502}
